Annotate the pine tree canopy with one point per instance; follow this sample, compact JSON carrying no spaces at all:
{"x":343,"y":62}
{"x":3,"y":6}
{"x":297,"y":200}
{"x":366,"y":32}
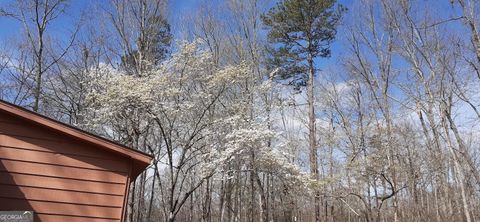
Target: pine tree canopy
{"x":298,"y":28}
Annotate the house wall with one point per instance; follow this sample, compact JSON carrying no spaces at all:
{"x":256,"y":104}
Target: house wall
{"x":57,"y":177}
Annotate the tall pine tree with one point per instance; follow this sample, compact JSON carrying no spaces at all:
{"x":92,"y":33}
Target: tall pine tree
{"x":299,"y":32}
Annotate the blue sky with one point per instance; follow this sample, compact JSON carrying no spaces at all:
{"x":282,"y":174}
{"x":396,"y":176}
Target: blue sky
{"x":182,"y":6}
{"x":10,"y":28}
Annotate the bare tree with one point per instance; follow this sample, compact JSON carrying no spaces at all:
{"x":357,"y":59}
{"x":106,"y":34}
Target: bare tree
{"x":142,"y":33}
{"x":36,"y":17}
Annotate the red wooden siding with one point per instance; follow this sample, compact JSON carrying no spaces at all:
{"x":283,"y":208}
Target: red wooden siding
{"x":58,"y":177}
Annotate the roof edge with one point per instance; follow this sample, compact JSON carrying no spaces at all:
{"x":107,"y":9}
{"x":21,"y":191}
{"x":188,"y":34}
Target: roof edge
{"x":143,"y":158}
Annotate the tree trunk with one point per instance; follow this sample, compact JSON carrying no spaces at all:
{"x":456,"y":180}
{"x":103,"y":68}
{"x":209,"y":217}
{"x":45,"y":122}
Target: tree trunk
{"x":207,"y":203}
{"x":131,"y":213}
{"x":263,"y":199}
{"x":312,"y":131}
{"x":38,"y":77}
{"x":152,"y":193}
{"x":458,"y":173}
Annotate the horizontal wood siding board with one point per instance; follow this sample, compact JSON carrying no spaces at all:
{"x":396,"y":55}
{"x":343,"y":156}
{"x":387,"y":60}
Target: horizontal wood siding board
{"x":60,"y":171}
{"x":24,"y":128}
{"x":65,"y":218}
{"x":21,"y":179}
{"x":36,"y":143}
{"x":59,"y":196}
{"x":63,"y":178}
{"x":60,"y":159}
{"x":44,"y":207}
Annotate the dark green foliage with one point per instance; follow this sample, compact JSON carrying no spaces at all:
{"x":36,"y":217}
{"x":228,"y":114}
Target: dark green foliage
{"x":160,"y":39}
{"x":289,"y":63}
{"x":298,"y":29}
{"x":153,"y":43}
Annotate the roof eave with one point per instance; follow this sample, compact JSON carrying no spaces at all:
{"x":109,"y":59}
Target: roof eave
{"x":63,"y":128}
